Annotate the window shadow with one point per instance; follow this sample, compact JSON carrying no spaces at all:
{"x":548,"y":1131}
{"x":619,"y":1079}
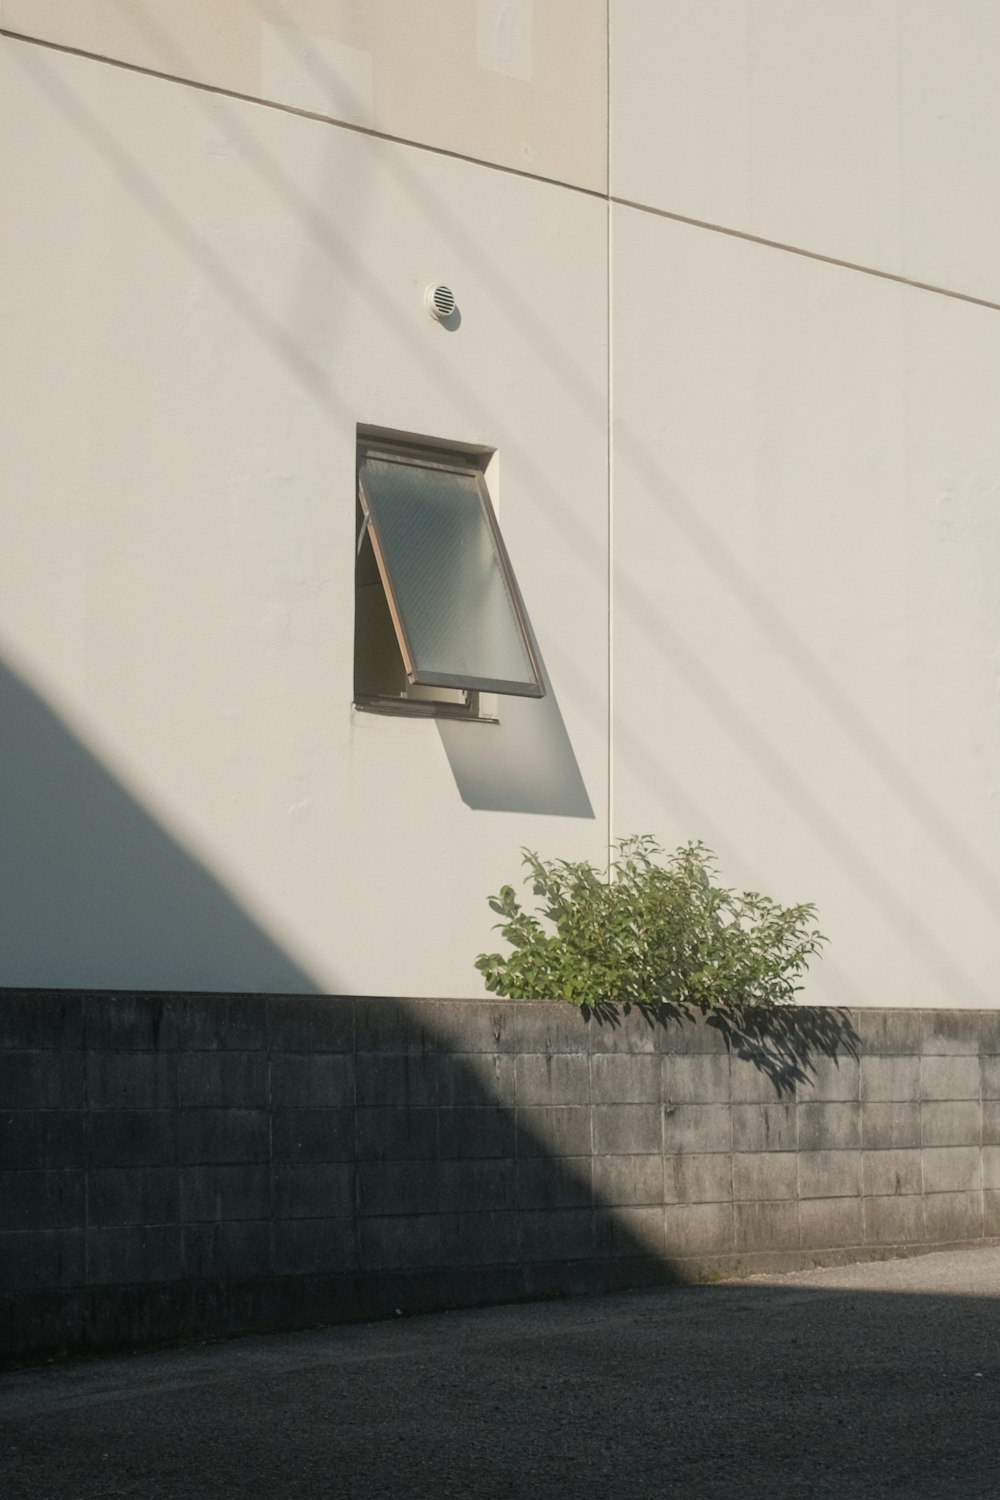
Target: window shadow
{"x":523,"y":764}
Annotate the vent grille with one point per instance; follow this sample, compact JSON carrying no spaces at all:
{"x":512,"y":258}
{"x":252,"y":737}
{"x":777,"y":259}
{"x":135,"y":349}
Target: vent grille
{"x":440,"y":302}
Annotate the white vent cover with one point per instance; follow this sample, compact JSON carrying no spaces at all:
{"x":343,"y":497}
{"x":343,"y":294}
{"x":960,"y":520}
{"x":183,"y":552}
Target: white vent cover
{"x":439,"y":302}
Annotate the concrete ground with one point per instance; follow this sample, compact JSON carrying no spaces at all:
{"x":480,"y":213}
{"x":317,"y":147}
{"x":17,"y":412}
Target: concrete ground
{"x":870,"y":1380}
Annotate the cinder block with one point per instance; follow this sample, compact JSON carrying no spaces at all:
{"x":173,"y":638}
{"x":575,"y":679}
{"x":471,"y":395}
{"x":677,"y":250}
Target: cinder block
{"x":435,"y":1187}
{"x":887,"y":1079}
{"x":557,"y":1234}
{"x":545,"y":1026}
{"x":120,"y":1196}
{"x":239,"y":1251}
{"x":37,"y":1019}
{"x":119,"y":1023}
{"x":407,"y":1080}
{"x":696,"y":1078}
{"x":471,"y":1079}
{"x":990,"y":1117}
{"x":620,"y":1129}
{"x":560,"y":1131}
{"x":991,"y":1214}
{"x":765,"y":1175}
{"x":991,"y":1168}
{"x":990,"y":1076}
{"x":436,"y":1241}
{"x":492,"y":1027}
{"x":893,"y":1033}
{"x":764,"y":1127}
{"x":699,"y":1229}
{"x":216,"y":1023}
{"x":318,"y":1191}
{"x":952,"y":1032}
{"x":479,"y":1239}
{"x":42,"y":1200}
{"x":327,"y":1135}
{"x":830,"y":1174}
{"x":545,"y":1078}
{"x":326,"y":1080}
{"x":748,"y":1083}
{"x":42,"y":1138}
{"x":225,"y":1080}
{"x":315,"y":1247}
{"x":41,"y":1258}
{"x":952,"y":1169}
{"x":829,"y":1079}
{"x":409,"y":1242}
{"x":131,"y":1080}
{"x":620,"y":1181}
{"x":949,"y":1078}
{"x":766,"y":1226}
{"x":41,"y":1080}
{"x":629,"y":1034}
{"x":955,"y":1123}
{"x":130,"y":1255}
{"x":897,"y":1220}
{"x":953,"y":1217}
{"x":223,"y":1135}
{"x":132,"y":1138}
{"x":485,"y":1132}
{"x":626,"y":1078}
{"x":699,"y":1128}
{"x":697,"y":1178}
{"x":829,"y":1127}
{"x":212,"y":1194}
{"x":888,"y":1173}
{"x":830,"y":1223}
{"x":318,"y":1023}
{"x":624,"y":1233}
{"x":691,"y":1034}
{"x":887,"y":1127}
{"x":547,"y":1183}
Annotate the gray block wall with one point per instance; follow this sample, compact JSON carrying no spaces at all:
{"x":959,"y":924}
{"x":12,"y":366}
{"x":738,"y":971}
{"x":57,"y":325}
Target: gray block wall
{"x":194,"y":1165}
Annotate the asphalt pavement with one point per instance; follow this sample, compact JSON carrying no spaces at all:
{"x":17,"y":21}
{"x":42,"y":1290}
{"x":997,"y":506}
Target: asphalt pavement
{"x":872,"y":1380}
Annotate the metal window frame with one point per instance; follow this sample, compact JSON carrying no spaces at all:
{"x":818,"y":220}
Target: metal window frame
{"x":416,"y":456}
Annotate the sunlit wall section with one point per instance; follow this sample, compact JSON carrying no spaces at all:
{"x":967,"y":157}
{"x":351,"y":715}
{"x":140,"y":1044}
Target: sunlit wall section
{"x":202,"y":299}
{"x":518,"y":83}
{"x":806,"y":533}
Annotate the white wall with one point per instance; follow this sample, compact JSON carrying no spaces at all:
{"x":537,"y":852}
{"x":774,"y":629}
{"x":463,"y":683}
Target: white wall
{"x":867,"y":130}
{"x":202,"y":296}
{"x":205,"y":297}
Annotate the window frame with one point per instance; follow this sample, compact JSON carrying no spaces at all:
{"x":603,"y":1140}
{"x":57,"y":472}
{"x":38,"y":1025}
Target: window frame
{"x":480,"y":693}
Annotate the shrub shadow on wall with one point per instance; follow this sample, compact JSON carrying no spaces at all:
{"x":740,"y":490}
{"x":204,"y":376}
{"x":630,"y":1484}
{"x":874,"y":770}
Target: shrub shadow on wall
{"x":783,"y":1042}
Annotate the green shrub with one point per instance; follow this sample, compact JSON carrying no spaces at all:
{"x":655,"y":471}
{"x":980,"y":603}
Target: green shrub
{"x":649,"y":931}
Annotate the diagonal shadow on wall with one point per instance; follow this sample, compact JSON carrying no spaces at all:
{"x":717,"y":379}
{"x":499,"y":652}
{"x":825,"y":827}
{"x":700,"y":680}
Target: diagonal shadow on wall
{"x":94,"y":892}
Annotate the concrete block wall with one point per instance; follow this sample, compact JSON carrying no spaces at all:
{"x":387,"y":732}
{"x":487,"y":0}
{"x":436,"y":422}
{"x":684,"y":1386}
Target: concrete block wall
{"x":193,"y":1165}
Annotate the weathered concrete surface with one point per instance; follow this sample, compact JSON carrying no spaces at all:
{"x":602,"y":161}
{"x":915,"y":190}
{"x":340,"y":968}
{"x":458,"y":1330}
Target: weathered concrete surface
{"x":869,"y":1380}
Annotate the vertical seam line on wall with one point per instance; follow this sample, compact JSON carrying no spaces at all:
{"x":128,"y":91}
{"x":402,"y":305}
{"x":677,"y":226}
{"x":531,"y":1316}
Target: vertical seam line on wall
{"x":610,"y":460}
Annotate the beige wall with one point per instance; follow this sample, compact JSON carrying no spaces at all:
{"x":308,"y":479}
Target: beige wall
{"x":205,"y":299}
{"x":806,"y":625}
{"x":203,"y":296}
{"x":520,"y":83}
{"x":868,"y":130}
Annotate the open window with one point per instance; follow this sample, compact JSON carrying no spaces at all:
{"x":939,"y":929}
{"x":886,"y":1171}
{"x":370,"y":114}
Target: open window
{"x":439,"y":621}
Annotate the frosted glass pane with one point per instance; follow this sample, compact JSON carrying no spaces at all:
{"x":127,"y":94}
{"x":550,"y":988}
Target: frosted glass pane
{"x":446,"y":576}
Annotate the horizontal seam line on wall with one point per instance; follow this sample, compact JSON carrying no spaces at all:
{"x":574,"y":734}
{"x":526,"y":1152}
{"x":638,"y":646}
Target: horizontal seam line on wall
{"x":828,"y":260}
{"x":303,"y":114}
{"x":398,"y":140}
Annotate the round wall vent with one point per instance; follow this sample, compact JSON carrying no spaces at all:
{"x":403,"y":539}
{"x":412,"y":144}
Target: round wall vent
{"x":439,"y":302}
